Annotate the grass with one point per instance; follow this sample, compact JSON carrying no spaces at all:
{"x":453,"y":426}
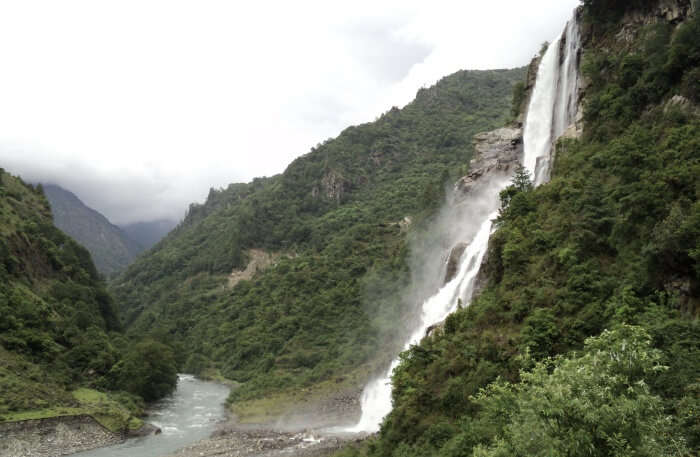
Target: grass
{"x":106,"y":410}
{"x":41,"y":414}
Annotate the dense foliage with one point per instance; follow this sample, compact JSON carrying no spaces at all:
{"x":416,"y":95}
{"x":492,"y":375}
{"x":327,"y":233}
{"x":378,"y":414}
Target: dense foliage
{"x":612,"y":241}
{"x":58,"y":327}
{"x":336,"y":218}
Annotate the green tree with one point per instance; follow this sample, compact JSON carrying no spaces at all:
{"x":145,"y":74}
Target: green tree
{"x":595,"y":404}
{"x":520,"y":183}
{"x":148,"y":369}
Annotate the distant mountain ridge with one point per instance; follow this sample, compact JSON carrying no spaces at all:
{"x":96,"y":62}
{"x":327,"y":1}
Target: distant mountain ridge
{"x":147,"y":234}
{"x":112,"y":249}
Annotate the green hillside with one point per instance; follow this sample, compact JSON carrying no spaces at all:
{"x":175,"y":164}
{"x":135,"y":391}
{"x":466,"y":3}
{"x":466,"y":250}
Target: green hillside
{"x":585,"y":341}
{"x":334,"y":228}
{"x":58,"y":327}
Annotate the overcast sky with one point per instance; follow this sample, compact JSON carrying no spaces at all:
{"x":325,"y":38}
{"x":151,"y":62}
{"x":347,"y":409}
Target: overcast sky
{"x":139,"y":107}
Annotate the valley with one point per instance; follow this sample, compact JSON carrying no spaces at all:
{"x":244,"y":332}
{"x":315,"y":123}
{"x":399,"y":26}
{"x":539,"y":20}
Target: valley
{"x":506,"y":265}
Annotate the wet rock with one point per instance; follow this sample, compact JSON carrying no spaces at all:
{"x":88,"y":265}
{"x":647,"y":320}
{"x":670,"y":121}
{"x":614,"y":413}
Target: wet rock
{"x":453,"y":261}
{"x":145,"y":430}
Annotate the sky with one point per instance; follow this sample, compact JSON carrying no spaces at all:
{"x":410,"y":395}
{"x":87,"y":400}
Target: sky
{"x":140,"y":107}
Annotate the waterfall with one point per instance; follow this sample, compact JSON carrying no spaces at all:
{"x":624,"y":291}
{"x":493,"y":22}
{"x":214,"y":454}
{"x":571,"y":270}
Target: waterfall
{"x":552,"y":109}
{"x":376,"y":397}
{"x":554,"y":101}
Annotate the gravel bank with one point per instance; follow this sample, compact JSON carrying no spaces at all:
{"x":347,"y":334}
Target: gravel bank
{"x":266,"y":443}
{"x":53,"y":437}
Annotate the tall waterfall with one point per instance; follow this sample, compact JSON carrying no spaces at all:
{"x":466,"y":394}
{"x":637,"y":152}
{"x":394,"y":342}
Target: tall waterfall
{"x":554,"y":101}
{"x":552,"y":109}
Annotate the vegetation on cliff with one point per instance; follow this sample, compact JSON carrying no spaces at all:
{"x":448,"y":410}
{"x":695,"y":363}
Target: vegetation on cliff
{"x":585,"y":340}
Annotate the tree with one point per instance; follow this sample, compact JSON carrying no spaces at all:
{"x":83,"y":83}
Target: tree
{"x":595,"y":404}
{"x":520,"y":183}
{"x":148,"y":369}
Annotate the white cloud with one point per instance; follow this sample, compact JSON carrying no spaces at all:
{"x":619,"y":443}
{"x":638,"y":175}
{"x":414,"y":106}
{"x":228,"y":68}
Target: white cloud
{"x":140,"y":106}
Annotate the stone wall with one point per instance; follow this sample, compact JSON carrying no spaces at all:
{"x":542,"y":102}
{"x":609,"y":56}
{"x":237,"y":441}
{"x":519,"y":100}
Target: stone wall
{"x":53,"y":437}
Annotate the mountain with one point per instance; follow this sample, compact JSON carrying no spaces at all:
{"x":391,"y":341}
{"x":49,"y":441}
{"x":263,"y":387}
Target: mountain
{"x":147,"y":234}
{"x":294,"y":280}
{"x":111,"y":247}
{"x":583,"y":338}
{"x":59,"y":333}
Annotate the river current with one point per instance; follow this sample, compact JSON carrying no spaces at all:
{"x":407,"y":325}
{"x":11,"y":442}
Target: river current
{"x":188,"y":415}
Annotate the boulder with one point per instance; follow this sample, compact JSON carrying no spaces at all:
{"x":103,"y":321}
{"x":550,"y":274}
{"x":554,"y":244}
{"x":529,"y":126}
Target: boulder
{"x":453,"y":261}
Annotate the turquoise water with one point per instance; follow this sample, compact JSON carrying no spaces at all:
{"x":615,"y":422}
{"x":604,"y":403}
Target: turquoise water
{"x":189,"y":415}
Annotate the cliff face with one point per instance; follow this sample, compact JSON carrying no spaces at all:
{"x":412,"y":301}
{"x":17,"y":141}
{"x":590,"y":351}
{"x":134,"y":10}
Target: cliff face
{"x":495,"y":154}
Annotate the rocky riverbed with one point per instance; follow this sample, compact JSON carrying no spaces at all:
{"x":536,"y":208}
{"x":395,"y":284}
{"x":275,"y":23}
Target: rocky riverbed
{"x":313,"y":429}
{"x":239,"y":441}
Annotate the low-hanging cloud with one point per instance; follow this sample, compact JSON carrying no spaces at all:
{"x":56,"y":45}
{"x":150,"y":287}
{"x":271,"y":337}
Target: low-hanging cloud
{"x":139,"y":107}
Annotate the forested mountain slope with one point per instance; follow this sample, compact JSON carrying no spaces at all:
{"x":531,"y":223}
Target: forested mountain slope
{"x":333,"y":228}
{"x":111,"y":248}
{"x":58,"y":328}
{"x":607,"y":253}
{"x":148,"y":233}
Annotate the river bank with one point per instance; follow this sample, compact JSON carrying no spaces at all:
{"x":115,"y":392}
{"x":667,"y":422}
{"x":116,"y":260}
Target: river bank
{"x":54,"y":436}
{"x":238,"y":442}
{"x":190,"y":414}
{"x":313,"y":428}
{"x":193,"y":423}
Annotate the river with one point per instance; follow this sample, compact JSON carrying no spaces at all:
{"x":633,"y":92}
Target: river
{"x":188,"y":415}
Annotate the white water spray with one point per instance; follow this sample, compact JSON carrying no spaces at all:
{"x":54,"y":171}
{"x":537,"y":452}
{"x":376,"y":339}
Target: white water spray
{"x":552,"y":109}
{"x":376,"y":397}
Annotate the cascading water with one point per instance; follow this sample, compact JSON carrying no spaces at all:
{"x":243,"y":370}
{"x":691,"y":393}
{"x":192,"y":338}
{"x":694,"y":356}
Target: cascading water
{"x":554,"y":102}
{"x":552,"y":109}
{"x":376,"y":397}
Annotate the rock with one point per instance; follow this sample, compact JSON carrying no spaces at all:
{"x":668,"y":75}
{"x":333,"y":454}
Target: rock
{"x":259,"y":261}
{"x":497,"y":151}
{"x":145,"y":430}
{"x":333,"y":186}
{"x":673,"y":11}
{"x":573,"y":132}
{"x":678,"y":102}
{"x":453,"y":261}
